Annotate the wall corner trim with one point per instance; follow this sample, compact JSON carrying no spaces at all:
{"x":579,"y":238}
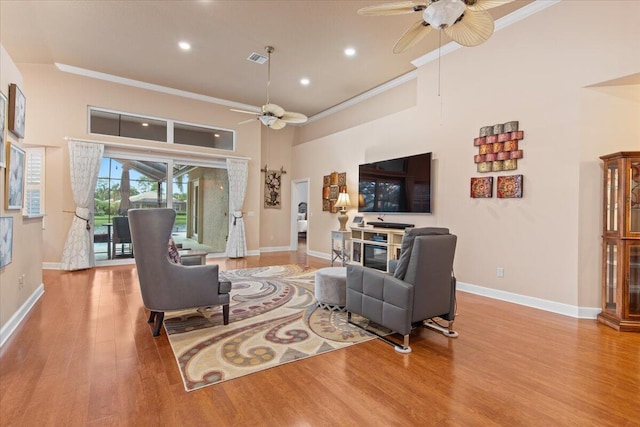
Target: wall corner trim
{"x":14,"y":321}
{"x":533,"y":302}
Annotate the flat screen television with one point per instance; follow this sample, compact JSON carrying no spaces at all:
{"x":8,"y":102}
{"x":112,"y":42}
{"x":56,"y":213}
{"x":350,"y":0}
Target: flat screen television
{"x":401,"y":185}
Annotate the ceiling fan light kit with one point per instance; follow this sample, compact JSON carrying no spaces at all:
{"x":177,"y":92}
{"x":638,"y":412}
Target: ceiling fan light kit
{"x":467,"y":22}
{"x":272,"y":116}
{"x":443,"y":13}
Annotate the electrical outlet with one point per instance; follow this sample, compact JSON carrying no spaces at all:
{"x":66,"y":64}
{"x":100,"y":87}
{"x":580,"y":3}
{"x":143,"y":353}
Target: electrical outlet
{"x":500,"y":272}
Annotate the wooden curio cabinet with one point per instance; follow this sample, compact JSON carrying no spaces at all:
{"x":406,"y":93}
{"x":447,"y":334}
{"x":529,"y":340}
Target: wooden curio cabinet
{"x":621,"y":242}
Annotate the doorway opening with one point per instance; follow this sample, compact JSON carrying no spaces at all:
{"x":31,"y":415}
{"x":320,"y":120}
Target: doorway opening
{"x":300,"y":214}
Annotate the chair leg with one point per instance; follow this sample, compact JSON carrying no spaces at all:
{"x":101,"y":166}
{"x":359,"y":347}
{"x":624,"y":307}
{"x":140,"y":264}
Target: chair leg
{"x":152,"y":316}
{"x":225,"y":314}
{"x":404,"y":348}
{"x":158,"y":324}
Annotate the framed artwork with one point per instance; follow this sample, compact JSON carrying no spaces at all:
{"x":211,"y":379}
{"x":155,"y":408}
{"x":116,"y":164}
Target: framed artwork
{"x":342,"y":178}
{"x":14,"y":178}
{"x":509,"y":186}
{"x":17,"y":108}
{"x":3,"y":121}
{"x":6,"y":240}
{"x":326,"y":205}
{"x":325,"y":192}
{"x":482,"y":187}
{"x":326,"y":180}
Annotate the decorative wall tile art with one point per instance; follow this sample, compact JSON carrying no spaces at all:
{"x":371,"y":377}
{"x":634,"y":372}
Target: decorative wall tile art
{"x":509,"y":186}
{"x":482,"y":187}
{"x":496,"y":145}
{"x":332,"y":185}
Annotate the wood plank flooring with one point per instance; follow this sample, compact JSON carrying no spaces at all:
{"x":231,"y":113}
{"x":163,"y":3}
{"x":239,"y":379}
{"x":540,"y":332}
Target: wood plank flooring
{"x":85,"y":356}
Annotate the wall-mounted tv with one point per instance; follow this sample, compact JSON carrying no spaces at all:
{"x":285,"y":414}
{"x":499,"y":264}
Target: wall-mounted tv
{"x":401,"y":185}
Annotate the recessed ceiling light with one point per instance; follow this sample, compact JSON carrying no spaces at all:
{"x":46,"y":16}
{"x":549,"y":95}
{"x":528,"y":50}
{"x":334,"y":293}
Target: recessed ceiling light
{"x":145,"y":124}
{"x":349,"y":51}
{"x":304,"y":81}
{"x":184,"y":45}
{"x":217,"y":135}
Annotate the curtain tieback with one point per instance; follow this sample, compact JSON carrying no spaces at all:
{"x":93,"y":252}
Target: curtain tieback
{"x":236,"y":215}
{"x":82,"y":213}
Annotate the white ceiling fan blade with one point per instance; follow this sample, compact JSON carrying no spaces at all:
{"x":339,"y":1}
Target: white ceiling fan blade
{"x":291,"y":117}
{"x":413,"y":35}
{"x":484,"y":4}
{"x":278,"y":124}
{"x":274,"y":109}
{"x":245,"y":111}
{"x":392,"y":8}
{"x":473,"y":29}
{"x":247,"y":121}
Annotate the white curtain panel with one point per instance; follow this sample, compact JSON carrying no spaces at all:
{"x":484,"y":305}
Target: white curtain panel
{"x":84,"y":161}
{"x":238,"y":171}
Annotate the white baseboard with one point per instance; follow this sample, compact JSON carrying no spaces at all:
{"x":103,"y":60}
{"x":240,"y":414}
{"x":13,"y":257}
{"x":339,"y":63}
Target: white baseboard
{"x":9,"y":328}
{"x":539,"y":303}
{"x":319,"y":255}
{"x":276,"y":249}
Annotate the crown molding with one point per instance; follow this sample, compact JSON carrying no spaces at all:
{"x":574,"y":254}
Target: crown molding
{"x":364,"y":96}
{"x":150,"y":86}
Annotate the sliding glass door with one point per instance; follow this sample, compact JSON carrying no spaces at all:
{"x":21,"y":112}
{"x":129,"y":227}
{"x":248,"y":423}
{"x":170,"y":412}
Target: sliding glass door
{"x":198,"y":193}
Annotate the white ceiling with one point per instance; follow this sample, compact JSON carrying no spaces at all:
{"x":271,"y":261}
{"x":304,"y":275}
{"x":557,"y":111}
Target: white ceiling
{"x":138,"y":40}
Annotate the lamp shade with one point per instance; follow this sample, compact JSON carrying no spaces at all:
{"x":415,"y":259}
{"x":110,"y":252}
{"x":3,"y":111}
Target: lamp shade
{"x":343,"y":201}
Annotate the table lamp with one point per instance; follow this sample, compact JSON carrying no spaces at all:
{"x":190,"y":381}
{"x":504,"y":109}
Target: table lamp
{"x":343,"y":203}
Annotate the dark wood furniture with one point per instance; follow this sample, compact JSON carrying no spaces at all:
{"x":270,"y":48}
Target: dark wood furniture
{"x":621,"y":242}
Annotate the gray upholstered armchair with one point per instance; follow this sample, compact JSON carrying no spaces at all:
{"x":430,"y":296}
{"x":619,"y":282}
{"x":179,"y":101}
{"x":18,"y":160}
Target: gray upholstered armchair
{"x":420,"y":287}
{"x":167,"y":286}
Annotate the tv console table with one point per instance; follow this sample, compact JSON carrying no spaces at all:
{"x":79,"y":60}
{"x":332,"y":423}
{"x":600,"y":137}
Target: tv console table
{"x":374,"y":247}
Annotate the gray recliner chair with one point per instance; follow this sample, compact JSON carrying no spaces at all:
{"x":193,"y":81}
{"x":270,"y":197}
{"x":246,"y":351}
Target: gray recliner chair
{"x":420,"y":287}
{"x":167,"y":286}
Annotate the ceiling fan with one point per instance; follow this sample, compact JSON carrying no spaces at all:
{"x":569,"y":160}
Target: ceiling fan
{"x":272,"y":115}
{"x":467,"y":22}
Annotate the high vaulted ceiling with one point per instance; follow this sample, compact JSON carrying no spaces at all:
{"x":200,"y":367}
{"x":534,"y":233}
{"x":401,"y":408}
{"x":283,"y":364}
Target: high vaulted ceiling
{"x":139,"y":40}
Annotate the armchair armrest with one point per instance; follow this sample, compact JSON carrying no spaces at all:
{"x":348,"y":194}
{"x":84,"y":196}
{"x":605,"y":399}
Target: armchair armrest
{"x":380,"y":297}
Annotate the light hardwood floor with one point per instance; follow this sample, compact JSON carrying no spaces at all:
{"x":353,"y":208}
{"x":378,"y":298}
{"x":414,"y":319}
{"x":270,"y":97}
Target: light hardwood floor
{"x":85,"y":356}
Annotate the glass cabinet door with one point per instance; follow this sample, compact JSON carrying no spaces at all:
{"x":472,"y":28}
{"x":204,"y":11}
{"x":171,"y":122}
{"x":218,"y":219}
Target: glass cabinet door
{"x":610,"y":276}
{"x":634,"y":197}
{"x":611,"y":197}
{"x":634,"y":278}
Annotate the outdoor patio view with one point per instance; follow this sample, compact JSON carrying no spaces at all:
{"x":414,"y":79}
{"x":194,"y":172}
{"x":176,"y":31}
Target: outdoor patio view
{"x":125,"y":184}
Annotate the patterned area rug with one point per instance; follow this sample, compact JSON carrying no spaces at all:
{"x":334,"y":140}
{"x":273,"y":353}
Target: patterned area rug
{"x":273,"y":320}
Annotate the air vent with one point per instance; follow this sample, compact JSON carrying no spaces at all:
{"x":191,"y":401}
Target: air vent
{"x":257,"y":58}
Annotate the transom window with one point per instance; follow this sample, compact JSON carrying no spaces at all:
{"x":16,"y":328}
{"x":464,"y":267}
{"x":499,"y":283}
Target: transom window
{"x":129,"y":125}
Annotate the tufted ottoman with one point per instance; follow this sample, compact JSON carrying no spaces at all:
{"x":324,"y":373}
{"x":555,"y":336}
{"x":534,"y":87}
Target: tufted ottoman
{"x":331,"y":288}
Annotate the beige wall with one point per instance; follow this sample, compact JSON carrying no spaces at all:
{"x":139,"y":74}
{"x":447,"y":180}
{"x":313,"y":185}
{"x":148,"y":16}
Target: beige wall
{"x":27,"y":235}
{"x":548,"y":241}
{"x":57,"y":103}
{"x":276,"y":153}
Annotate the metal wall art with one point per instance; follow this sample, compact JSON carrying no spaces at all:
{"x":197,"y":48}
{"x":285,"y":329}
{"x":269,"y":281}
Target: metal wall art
{"x":482,"y":187}
{"x":332,"y":186}
{"x":498,"y":147}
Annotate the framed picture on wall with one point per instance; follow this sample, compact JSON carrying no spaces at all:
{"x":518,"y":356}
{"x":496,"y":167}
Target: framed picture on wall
{"x":14,"y":177}
{"x":3,"y":121}
{"x":17,"y":109}
{"x":6,"y":240}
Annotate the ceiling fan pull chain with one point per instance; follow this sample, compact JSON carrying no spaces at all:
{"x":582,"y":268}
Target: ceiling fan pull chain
{"x":439,"y":56}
